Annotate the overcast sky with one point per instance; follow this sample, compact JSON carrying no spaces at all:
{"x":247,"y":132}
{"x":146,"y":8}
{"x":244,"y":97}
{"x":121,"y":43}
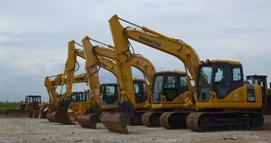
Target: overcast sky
{"x":34,"y":35}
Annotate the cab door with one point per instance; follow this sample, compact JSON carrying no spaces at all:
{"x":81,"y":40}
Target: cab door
{"x":222,"y":81}
{"x":227,"y":79}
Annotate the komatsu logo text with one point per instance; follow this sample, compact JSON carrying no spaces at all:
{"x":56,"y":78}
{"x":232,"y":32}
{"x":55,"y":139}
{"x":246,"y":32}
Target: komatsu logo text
{"x":150,"y":41}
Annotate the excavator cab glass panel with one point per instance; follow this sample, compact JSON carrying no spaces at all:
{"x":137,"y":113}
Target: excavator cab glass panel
{"x":140,"y":92}
{"x":157,"y":88}
{"x":222,"y":81}
{"x":109,"y":93}
{"x":169,"y":85}
{"x":33,"y":99}
{"x":204,"y":83}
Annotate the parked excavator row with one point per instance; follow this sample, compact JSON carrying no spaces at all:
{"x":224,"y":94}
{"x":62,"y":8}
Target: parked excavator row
{"x":207,"y":95}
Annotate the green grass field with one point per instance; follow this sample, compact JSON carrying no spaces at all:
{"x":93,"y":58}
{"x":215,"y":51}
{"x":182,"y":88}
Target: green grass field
{"x":7,"y":105}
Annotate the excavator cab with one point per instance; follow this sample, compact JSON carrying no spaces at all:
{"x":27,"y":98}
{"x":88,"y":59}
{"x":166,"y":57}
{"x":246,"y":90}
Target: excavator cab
{"x":34,"y":99}
{"x":219,"y":79}
{"x":262,"y":81}
{"x":168,"y":86}
{"x":168,"y":91}
{"x":109,"y":93}
{"x":79,"y":96}
{"x":79,"y":103}
{"x":222,"y":95}
{"x":140,"y":91}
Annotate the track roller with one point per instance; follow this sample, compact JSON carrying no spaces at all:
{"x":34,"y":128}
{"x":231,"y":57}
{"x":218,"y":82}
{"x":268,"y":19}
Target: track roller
{"x":151,"y":119}
{"x":136,"y":119}
{"x":173,"y":120}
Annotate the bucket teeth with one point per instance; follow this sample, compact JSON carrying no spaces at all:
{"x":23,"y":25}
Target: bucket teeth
{"x":88,"y":120}
{"x":116,"y":121}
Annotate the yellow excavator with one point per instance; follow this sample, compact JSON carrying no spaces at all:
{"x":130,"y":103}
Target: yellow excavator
{"x":266,"y":92}
{"x":220,"y":100}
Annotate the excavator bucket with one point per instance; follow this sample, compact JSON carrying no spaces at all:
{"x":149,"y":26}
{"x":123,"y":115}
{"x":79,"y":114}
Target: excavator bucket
{"x":117,"y":121}
{"x":62,"y":116}
{"x":51,"y":116}
{"x":17,"y":113}
{"x":88,"y":120}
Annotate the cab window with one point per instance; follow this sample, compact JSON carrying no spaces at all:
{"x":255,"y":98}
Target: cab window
{"x":183,"y":84}
{"x":236,"y":74}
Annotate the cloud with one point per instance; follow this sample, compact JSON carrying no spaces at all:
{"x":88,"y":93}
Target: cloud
{"x":34,"y":35}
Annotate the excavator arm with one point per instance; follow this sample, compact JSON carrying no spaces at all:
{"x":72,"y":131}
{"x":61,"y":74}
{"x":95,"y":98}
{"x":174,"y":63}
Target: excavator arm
{"x":51,"y":89}
{"x":70,"y":68}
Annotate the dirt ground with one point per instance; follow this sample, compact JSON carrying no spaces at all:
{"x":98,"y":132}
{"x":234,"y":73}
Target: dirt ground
{"x":41,"y":131}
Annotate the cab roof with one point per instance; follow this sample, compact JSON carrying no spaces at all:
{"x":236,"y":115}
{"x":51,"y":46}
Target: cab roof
{"x":222,"y":61}
{"x":109,"y":83}
{"x":33,"y":96}
{"x":172,"y":72}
